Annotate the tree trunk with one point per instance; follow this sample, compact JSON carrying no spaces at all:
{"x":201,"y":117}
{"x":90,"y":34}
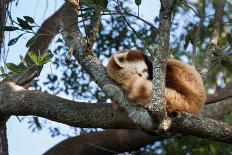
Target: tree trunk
{"x":3,"y":138}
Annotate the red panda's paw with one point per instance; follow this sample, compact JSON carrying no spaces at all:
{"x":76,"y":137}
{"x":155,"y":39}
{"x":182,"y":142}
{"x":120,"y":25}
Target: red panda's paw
{"x":141,"y":91}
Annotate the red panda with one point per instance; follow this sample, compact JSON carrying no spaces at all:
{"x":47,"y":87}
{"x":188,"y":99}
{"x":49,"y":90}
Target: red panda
{"x":184,"y":89}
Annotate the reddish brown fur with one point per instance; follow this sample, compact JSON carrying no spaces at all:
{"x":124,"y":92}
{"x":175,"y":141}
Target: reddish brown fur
{"x":184,"y":87}
{"x":135,"y":55}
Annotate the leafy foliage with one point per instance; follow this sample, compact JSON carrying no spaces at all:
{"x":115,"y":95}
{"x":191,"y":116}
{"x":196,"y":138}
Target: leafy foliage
{"x":38,"y":61}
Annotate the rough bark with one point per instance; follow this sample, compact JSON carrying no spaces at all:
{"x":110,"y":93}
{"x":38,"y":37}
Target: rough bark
{"x":185,"y":123}
{"x":20,"y":102}
{"x":3,"y":138}
{"x":157,"y":103}
{"x":105,"y":142}
{"x":3,"y":8}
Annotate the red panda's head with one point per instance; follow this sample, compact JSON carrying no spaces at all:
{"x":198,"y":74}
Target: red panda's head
{"x":123,"y":65}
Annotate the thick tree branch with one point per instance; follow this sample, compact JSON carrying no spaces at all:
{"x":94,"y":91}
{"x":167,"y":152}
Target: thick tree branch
{"x":105,"y":142}
{"x":157,"y":103}
{"x":213,"y":38}
{"x":3,"y":9}
{"x":203,"y":127}
{"x":18,"y":101}
{"x":96,"y":70}
{"x":3,"y":133}
{"x":3,"y":137}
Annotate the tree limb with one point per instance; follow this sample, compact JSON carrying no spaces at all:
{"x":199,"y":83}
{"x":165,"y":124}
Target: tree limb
{"x":3,"y":133}
{"x":105,"y":142}
{"x":157,"y":103}
{"x":3,"y":9}
{"x":213,"y":38}
{"x":3,"y":137}
{"x":220,"y":94}
{"x":18,"y":101}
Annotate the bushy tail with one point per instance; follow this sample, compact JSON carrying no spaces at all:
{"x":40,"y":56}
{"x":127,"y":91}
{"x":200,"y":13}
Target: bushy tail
{"x":184,"y":88}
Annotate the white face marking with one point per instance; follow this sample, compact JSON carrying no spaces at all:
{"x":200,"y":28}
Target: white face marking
{"x":139,"y":68}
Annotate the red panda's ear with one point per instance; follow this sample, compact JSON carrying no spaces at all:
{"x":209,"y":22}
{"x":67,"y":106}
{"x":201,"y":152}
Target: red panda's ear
{"x":120,"y":59}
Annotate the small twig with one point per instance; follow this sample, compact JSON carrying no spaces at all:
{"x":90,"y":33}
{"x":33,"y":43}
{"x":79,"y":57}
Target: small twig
{"x":130,"y":14}
{"x":137,"y":34}
{"x":111,"y":151}
{"x":195,"y":12}
{"x":85,"y":29}
{"x":198,"y":27}
{"x":95,"y":23}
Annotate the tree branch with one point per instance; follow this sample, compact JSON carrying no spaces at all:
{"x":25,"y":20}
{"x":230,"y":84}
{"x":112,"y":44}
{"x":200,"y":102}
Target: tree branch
{"x":202,"y":127}
{"x":221,"y":94}
{"x":105,"y":142}
{"x":3,"y":137}
{"x":3,"y":9}
{"x":97,"y":72}
{"x":3,"y":133}
{"x":213,"y":38}
{"x":18,"y":101}
{"x":157,"y":103}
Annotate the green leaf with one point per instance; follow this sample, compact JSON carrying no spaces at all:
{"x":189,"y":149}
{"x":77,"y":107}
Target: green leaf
{"x":4,"y":75}
{"x":14,"y":40}
{"x":138,"y":2}
{"x":47,"y":54}
{"x":24,"y":24}
{"x":45,"y":61}
{"x":10,"y":28}
{"x":46,"y":57}
{"x":31,"y":41}
{"x":39,"y":59}
{"x":33,"y":57}
{"x":14,"y":68}
{"x":23,"y":61}
{"x":29,"y":19}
